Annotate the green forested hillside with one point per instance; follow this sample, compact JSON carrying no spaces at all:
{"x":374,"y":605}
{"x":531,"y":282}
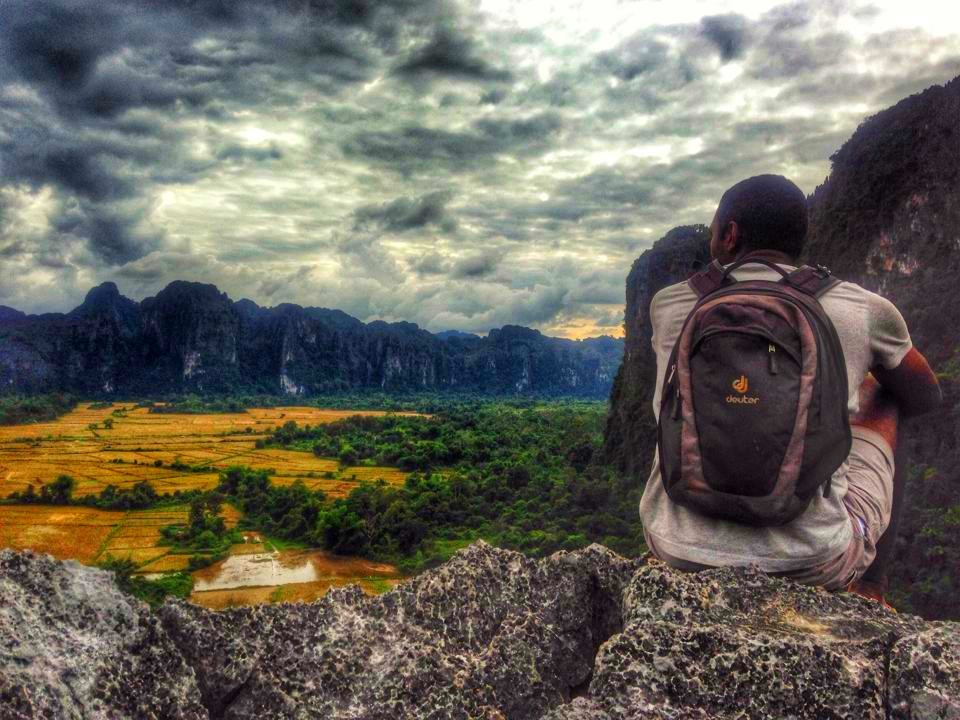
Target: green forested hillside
{"x":521,"y":475}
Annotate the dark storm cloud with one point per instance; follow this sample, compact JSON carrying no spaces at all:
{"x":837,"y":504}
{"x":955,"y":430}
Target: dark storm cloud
{"x":831,"y":87}
{"x":81,"y":168}
{"x":493,"y":97}
{"x":418,"y":148}
{"x":451,"y":53}
{"x":607,"y":187}
{"x":727,"y":32}
{"x":57,"y":43}
{"x":9,"y":247}
{"x":539,"y":306}
{"x":114,"y":233}
{"x":96,"y":58}
{"x":414,"y":146}
{"x":102,"y":56}
{"x":785,"y":57}
{"x":79,"y":58}
{"x":405,"y":214}
{"x":13,"y":249}
{"x":114,"y":80}
{"x":234,"y":151}
{"x":598,"y":287}
{"x":430,"y":264}
{"x":477,"y":265}
{"x":651,"y":67}
{"x":634,"y":57}
{"x":607,"y":191}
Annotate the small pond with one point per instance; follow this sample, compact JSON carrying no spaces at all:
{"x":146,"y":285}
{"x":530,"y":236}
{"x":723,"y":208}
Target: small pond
{"x":285,"y":576}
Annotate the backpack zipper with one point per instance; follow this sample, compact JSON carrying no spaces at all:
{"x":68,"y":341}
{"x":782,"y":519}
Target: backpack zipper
{"x":676,"y":397}
{"x":772,"y":354}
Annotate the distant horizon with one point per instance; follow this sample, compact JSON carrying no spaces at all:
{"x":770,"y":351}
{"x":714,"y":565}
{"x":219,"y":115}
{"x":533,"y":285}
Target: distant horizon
{"x":480,"y":334}
{"x":454,"y":164}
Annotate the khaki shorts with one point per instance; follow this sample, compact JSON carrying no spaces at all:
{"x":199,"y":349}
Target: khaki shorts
{"x":868,"y":501}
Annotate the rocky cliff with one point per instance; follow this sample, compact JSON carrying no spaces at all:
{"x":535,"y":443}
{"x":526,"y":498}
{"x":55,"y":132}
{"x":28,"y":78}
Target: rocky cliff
{"x":191,"y":337}
{"x":630,"y":438}
{"x":583,"y":635}
{"x":888,"y":218}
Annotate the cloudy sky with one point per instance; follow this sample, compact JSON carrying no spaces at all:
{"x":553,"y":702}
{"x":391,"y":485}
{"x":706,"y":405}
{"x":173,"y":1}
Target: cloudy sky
{"x":462,"y":165}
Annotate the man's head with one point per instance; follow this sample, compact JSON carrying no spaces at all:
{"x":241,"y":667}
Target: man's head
{"x":766,"y":212}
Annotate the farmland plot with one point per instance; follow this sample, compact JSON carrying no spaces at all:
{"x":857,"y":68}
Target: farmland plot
{"x":90,"y":535}
{"x":122,"y":445}
{"x":139,"y":445}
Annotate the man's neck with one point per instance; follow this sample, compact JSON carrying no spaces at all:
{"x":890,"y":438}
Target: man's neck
{"x":774,"y":256}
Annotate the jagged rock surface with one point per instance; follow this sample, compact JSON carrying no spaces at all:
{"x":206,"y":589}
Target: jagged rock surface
{"x":73,"y":646}
{"x":192,"y":337}
{"x":490,"y":634}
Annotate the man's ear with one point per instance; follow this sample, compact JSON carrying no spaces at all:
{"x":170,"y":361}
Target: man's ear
{"x":731,"y":238}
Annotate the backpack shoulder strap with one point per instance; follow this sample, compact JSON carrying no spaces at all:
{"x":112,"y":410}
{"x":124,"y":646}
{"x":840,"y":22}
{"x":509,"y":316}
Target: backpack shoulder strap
{"x":814,"y":281}
{"x":706,"y":281}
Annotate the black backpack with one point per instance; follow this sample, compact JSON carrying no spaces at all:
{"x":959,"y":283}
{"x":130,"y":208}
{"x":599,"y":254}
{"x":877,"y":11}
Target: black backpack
{"x":753,"y":412}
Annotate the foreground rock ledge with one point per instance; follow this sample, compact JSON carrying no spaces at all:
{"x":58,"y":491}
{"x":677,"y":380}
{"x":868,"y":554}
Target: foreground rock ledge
{"x":490,"y":634}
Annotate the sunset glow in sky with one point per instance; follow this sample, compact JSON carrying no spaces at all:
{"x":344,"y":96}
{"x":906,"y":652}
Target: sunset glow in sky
{"x":462,"y":165}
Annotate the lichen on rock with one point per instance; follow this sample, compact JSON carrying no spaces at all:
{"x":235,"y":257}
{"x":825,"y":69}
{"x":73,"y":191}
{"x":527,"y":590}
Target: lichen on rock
{"x":489,"y":634}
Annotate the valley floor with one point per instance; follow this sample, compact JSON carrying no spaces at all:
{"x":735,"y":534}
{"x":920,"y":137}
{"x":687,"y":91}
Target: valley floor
{"x":170,"y":451}
{"x":122,"y":445}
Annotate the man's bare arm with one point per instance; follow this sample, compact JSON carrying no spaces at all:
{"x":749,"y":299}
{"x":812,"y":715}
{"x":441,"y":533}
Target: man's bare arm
{"x":912,"y":383}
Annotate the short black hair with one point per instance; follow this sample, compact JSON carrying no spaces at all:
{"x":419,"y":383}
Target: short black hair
{"x":770,"y":212}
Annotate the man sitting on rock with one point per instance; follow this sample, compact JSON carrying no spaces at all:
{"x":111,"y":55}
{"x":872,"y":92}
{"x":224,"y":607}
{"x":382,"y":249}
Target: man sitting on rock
{"x":833,"y":542}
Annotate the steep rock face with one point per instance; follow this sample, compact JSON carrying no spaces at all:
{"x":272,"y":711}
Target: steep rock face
{"x":192,"y":337}
{"x":630,"y":437}
{"x":888,"y":217}
{"x":490,"y":634}
{"x":9,"y":313}
{"x":515,"y":359}
{"x":84,"y":350}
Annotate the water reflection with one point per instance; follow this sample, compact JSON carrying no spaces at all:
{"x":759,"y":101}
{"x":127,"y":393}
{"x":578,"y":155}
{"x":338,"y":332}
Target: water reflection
{"x":270,"y":569}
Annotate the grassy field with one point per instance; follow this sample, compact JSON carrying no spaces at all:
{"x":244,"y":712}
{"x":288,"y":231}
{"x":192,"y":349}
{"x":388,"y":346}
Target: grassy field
{"x":91,"y":535}
{"x":142,"y":446}
{"x":64,"y":532}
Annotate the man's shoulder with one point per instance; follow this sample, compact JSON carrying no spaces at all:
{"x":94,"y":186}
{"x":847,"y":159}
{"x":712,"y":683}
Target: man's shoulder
{"x":868,"y":300}
{"x":680,"y":297}
{"x":672,"y":296}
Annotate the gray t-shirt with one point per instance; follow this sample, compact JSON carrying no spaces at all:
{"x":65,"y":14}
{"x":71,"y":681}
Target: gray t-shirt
{"x":872,"y":333}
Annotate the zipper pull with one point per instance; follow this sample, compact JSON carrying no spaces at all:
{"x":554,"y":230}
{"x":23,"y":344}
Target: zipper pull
{"x":772,"y":354}
{"x":673,"y":369}
{"x":677,"y":404}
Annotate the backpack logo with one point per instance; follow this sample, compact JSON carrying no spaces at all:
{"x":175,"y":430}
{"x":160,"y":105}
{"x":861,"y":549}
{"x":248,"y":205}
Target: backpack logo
{"x":741,"y":385}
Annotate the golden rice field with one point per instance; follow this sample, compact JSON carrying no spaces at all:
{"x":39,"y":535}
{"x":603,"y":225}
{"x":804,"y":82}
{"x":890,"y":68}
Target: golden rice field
{"x":90,"y":535}
{"x":142,"y":446}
